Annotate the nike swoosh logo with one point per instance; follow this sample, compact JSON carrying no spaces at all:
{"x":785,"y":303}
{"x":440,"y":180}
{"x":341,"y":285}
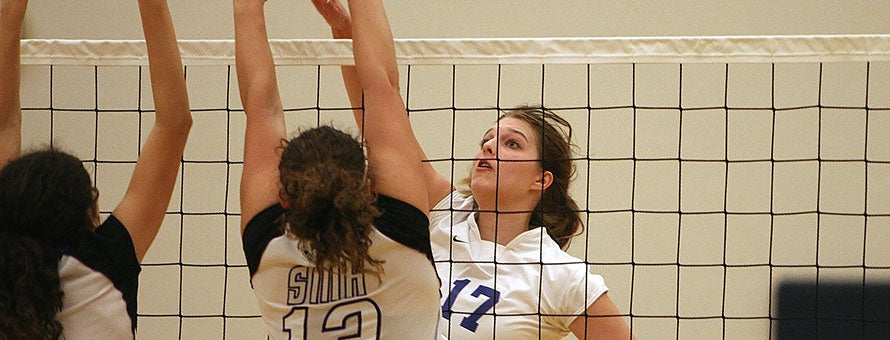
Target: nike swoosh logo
{"x":454,"y":238}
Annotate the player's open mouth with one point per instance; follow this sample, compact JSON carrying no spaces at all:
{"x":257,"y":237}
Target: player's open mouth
{"x":483,"y":164}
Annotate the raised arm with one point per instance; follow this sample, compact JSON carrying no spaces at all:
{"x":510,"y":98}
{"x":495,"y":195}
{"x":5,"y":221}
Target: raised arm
{"x":144,"y":205}
{"x":12,"y":14}
{"x":338,"y":18}
{"x":394,"y":156}
{"x":341,"y":28}
{"x":262,"y":105}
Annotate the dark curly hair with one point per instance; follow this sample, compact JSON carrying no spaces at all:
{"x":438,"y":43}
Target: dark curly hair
{"x":557,"y":211}
{"x":46,"y":202}
{"x":330,"y":209}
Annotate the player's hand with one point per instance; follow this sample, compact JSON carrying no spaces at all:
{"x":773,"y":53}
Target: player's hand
{"x":336,"y":16}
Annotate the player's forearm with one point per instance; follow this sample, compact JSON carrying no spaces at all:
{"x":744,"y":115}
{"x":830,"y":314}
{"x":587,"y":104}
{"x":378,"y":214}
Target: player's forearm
{"x":14,"y":9}
{"x":338,"y":18}
{"x":257,"y":83}
{"x":12,"y":14}
{"x":372,"y":43}
{"x":351,"y":82}
{"x":354,"y":91}
{"x":165,"y":65}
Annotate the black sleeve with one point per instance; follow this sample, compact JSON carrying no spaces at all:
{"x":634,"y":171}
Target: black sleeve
{"x":260,"y":230}
{"x":110,"y":251}
{"x":405,"y":224}
{"x":119,"y":245}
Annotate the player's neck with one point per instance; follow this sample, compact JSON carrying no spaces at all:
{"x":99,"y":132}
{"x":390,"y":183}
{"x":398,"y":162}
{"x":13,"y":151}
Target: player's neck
{"x":508,"y":215}
{"x":501,"y":227}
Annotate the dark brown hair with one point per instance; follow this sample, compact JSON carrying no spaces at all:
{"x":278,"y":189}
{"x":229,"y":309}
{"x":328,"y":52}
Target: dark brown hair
{"x":46,"y":203}
{"x":557,"y":211}
{"x":330,"y":208}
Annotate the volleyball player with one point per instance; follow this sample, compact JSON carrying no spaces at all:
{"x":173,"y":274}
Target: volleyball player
{"x":524,"y":219}
{"x":530,"y":300}
{"x":62,"y":274}
{"x":336,"y":248}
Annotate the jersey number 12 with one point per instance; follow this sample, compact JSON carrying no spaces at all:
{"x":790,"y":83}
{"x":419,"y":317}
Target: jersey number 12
{"x":365,"y":311}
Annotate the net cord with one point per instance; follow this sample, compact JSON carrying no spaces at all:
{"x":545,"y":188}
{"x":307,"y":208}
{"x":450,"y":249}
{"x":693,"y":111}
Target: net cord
{"x":672,"y":50}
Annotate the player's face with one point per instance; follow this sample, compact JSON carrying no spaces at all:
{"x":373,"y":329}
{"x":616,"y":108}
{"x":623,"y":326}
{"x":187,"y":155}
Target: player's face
{"x":507,"y":161}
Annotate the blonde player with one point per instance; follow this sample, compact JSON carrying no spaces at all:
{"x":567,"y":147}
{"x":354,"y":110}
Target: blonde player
{"x":336,"y":248}
{"x":525,"y":159}
{"x":62,"y":274}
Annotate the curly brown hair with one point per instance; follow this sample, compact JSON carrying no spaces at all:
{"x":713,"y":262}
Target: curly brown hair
{"x":46,"y":203}
{"x":330,"y":208}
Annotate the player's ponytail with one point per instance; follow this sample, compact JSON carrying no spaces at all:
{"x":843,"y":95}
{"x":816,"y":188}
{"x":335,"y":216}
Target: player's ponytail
{"x":330,"y":208}
{"x":46,"y":203}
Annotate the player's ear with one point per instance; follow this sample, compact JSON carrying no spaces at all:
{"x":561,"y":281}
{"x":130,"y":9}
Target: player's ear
{"x":542,"y":181}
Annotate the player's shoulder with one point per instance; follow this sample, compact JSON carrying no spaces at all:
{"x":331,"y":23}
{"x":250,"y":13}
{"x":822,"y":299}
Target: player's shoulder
{"x":561,"y":264}
{"x":456,"y":199}
{"x":553,"y":253}
{"x":453,"y":208}
{"x":537,"y":245}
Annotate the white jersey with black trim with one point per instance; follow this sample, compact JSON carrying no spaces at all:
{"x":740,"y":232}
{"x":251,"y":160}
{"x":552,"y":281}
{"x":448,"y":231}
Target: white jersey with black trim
{"x":535,"y":291}
{"x":99,"y":277}
{"x":299,"y":302}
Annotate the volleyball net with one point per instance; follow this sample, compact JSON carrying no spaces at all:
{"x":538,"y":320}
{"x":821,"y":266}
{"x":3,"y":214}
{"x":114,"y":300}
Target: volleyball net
{"x":712,"y":172}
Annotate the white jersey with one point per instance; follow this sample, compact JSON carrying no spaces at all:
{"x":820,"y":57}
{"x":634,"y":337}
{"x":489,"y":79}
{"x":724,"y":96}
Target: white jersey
{"x":99,"y":277}
{"x":536,"y":288}
{"x":299,"y":302}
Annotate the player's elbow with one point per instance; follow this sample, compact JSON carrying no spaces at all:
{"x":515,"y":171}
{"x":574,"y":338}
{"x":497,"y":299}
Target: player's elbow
{"x":184,"y":123}
{"x":180,"y":121}
{"x":378,"y":80}
{"x":259,"y":98}
{"x":383,"y":91}
{"x":394,"y":81}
